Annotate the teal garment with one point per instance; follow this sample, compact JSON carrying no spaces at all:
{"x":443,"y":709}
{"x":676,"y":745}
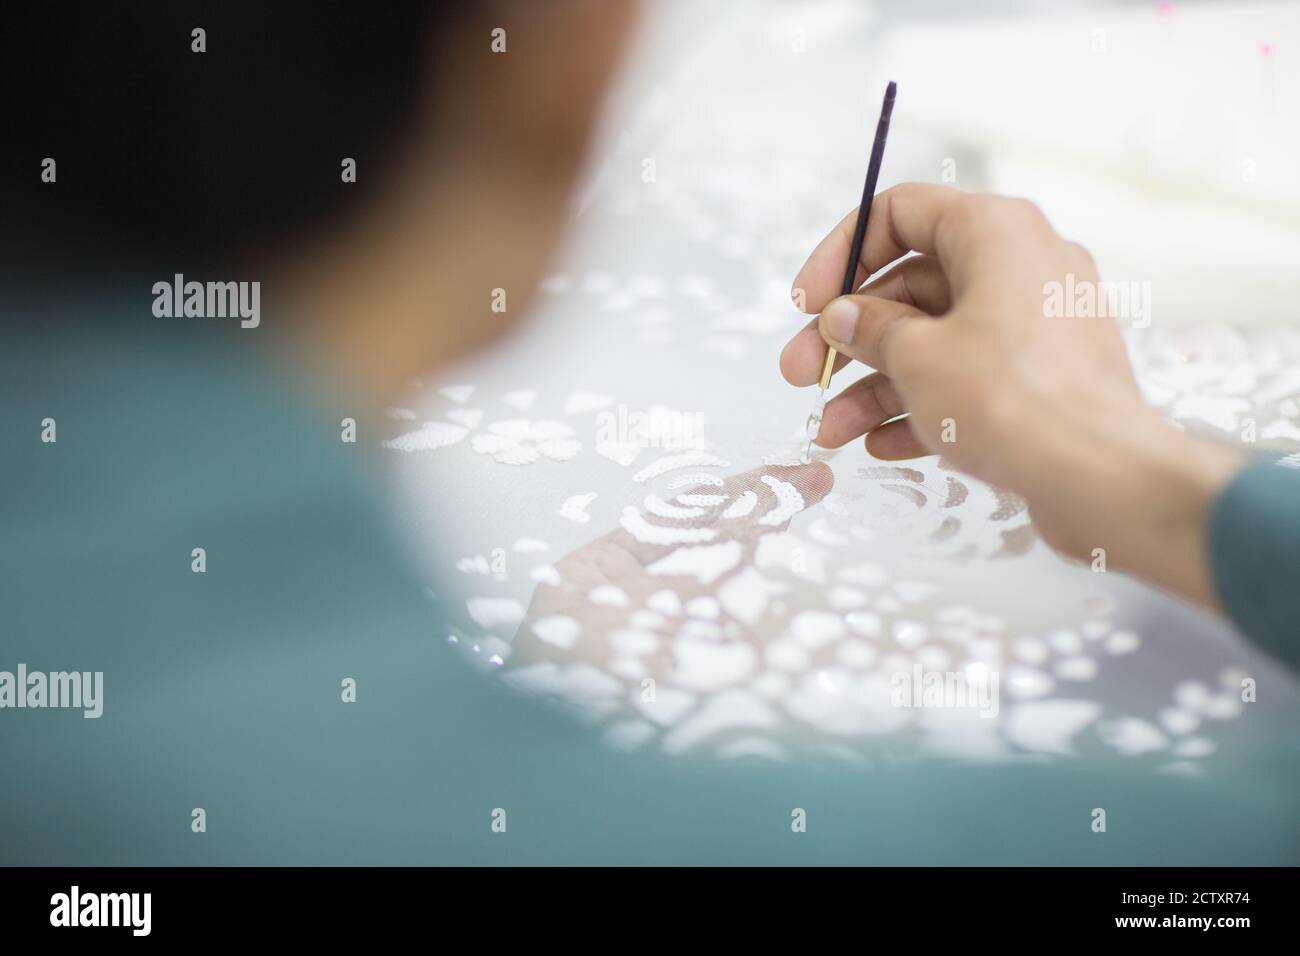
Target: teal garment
{"x":222,"y":690}
{"x":1255,"y":556}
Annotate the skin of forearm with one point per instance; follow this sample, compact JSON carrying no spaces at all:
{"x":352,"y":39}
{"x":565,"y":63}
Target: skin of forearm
{"x":1135,"y":494}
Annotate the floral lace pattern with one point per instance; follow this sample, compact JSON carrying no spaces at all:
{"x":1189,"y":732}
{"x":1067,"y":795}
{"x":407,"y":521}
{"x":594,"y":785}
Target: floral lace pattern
{"x":906,"y":610}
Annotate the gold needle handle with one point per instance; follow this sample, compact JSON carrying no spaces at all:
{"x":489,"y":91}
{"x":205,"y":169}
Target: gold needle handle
{"x":828,"y":368}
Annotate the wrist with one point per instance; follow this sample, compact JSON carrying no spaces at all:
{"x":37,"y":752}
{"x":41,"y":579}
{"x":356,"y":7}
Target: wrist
{"x":1157,"y":521}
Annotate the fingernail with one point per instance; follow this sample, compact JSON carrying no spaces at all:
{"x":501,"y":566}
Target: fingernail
{"x":799,"y":297}
{"x":839,"y":321}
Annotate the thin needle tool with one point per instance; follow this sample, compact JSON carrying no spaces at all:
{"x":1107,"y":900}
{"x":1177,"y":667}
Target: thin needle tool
{"x":814,"y":422}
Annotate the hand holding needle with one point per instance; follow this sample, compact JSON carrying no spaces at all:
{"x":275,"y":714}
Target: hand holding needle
{"x":814,"y":422}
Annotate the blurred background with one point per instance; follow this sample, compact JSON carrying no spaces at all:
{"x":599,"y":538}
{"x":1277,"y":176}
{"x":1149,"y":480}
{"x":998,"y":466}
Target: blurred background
{"x":1162,"y":135}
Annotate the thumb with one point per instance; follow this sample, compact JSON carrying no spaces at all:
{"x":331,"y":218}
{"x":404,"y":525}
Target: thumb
{"x":864,"y":327}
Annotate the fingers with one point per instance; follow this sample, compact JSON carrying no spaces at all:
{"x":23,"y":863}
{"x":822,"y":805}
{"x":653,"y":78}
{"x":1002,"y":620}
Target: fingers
{"x":895,"y":441}
{"x":804,"y":355}
{"x":866,"y":328}
{"x":906,"y":218}
{"x":866,"y":404}
{"x":917,"y":281}
{"x":973,"y":236}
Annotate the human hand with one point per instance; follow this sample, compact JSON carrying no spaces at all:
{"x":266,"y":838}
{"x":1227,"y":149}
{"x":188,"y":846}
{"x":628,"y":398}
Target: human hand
{"x":1048,"y":407}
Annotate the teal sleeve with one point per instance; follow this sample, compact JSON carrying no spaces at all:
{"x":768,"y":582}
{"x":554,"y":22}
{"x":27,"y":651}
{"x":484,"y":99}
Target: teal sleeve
{"x":1255,"y":556}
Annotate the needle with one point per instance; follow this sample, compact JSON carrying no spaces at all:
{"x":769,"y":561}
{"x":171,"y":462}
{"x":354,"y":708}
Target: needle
{"x":814,"y":422}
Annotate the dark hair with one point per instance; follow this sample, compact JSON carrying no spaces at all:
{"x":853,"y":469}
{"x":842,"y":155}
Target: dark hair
{"x":189,"y":158}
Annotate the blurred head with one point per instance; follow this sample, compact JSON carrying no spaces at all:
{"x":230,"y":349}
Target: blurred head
{"x":222,"y":154}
